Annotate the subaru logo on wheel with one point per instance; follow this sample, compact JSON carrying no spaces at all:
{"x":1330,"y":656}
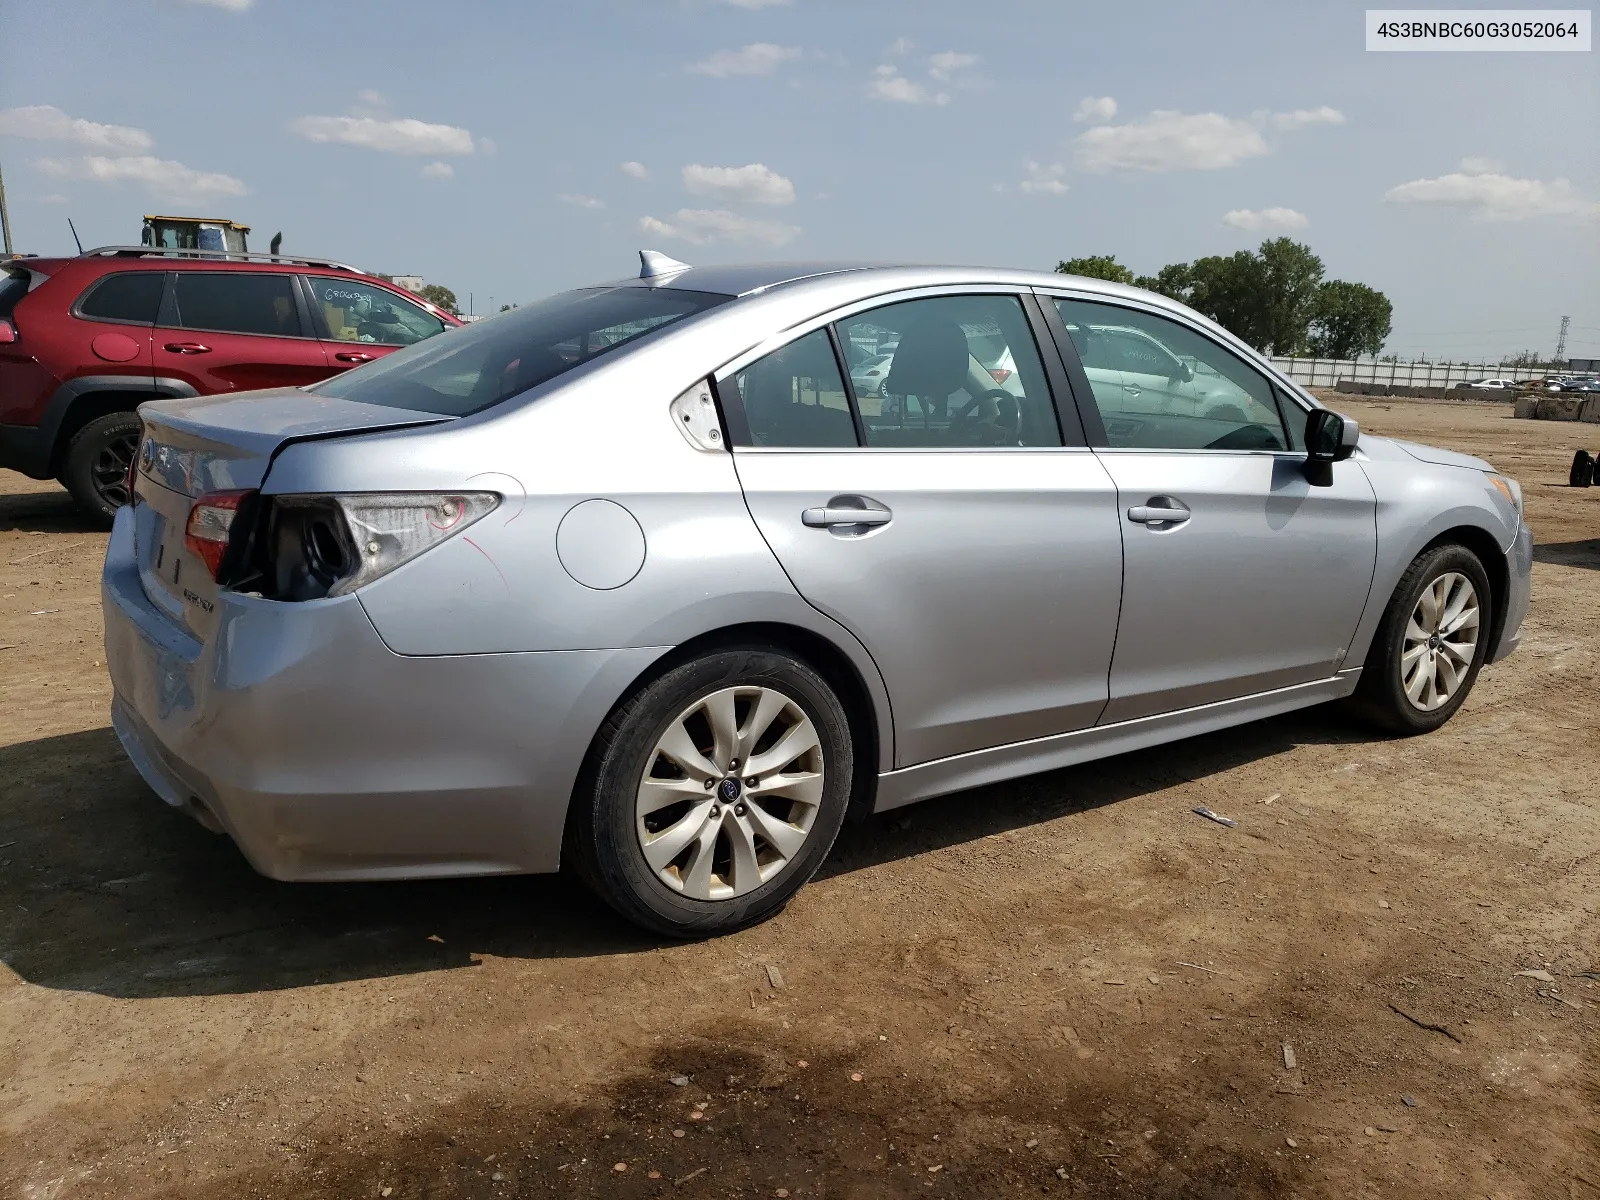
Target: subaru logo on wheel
{"x":728,"y":789}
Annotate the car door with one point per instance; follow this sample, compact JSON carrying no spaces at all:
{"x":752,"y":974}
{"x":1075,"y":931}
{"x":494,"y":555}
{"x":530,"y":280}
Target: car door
{"x":942,"y":522}
{"x":225,"y":331}
{"x":1239,"y":577}
{"x":360,"y":321}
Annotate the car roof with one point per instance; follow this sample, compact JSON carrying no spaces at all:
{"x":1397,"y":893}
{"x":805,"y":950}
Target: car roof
{"x":746,"y":279}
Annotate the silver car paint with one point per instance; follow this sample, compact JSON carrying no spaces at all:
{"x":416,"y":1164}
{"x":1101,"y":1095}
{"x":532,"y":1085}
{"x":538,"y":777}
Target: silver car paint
{"x":343,"y":738}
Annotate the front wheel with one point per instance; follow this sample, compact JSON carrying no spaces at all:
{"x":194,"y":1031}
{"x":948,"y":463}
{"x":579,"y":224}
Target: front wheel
{"x":1430,"y":644}
{"x":714,"y":793}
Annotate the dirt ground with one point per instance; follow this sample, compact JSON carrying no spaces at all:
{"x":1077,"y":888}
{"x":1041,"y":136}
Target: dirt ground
{"x":1067,"y":985}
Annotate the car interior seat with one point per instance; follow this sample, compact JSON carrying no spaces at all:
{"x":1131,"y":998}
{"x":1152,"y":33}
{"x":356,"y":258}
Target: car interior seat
{"x":930,"y":363}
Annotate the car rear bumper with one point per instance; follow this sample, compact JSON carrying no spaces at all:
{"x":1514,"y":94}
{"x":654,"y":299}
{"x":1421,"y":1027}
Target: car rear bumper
{"x":1519,"y":576}
{"x":326,"y":756}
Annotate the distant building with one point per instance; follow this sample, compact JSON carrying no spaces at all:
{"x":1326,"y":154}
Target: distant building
{"x":411,"y":283}
{"x":1587,"y":365}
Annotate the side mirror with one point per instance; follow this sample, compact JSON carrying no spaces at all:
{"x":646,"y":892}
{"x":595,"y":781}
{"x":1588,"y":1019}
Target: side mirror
{"x":1330,"y":437}
{"x":1185,"y":373}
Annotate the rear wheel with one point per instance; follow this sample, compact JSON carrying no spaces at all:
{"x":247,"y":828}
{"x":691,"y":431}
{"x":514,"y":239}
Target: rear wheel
{"x":714,"y":793}
{"x":95,"y":466}
{"x":1430,"y":644}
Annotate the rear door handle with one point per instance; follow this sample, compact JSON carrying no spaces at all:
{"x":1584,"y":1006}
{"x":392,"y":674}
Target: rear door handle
{"x":827,"y":518}
{"x":187,"y":348}
{"x":1145,"y":514}
{"x":353,"y":356}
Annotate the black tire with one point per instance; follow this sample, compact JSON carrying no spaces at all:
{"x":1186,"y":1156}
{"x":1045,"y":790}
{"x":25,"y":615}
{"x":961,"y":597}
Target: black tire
{"x":95,"y":466}
{"x":1381,"y":697}
{"x":1582,"y":473}
{"x":602,"y":838}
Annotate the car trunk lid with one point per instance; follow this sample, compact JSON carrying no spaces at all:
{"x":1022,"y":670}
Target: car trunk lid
{"x":193,"y":447}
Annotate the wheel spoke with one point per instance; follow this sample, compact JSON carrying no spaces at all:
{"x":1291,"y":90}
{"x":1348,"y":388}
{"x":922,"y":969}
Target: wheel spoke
{"x":1418,"y":681}
{"x":656,"y":794}
{"x":761,"y":718}
{"x":661,"y":848}
{"x":1413,"y":653}
{"x":744,"y":869}
{"x":697,"y":879}
{"x":1461,"y":653}
{"x":792,"y":745}
{"x":719,"y":710}
{"x":803,"y":787}
{"x":1415,"y":632}
{"x":1428,"y":606}
{"x":1447,"y":677}
{"x":783,"y":837}
{"x":677,"y":746}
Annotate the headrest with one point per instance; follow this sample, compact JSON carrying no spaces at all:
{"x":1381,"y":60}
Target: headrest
{"x":931,"y":360}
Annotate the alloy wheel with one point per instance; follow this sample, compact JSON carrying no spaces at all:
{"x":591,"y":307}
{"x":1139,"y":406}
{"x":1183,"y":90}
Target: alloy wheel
{"x":109,"y":470}
{"x":730,"y":792}
{"x":1441,"y":641}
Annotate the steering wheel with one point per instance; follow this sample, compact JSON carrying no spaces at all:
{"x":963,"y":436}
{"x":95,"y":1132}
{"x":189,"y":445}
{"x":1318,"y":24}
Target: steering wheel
{"x":1007,"y":428}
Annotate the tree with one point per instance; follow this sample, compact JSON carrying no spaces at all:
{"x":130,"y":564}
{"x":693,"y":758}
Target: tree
{"x":1348,"y":320}
{"x":1175,"y":281}
{"x":1290,"y":278}
{"x":1230,"y":291}
{"x":1096,"y":266}
{"x":440,"y":296}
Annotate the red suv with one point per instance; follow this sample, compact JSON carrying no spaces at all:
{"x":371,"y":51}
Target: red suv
{"x":84,"y":341}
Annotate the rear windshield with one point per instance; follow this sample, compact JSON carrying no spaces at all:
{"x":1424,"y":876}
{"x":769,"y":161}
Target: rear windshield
{"x":464,"y":370}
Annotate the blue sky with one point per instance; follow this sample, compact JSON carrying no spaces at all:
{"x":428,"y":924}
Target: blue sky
{"x":482,"y":143}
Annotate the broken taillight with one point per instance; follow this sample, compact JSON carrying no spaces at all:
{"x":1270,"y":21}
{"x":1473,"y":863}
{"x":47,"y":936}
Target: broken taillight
{"x":210,"y":524}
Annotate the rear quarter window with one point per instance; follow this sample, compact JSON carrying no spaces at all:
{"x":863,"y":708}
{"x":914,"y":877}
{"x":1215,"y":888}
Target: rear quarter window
{"x":132,"y":296}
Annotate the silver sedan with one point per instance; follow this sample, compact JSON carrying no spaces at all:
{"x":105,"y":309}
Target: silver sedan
{"x":633,"y":578}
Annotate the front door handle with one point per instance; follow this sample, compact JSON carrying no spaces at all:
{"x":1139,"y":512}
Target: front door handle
{"x":353,"y":356}
{"x":187,"y":348}
{"x":1146,"y":514}
{"x":1133,"y":389}
{"x":828,"y":517}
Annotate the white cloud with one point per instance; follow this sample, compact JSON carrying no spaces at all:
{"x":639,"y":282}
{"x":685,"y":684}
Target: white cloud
{"x":399,"y":135}
{"x":1495,"y":197}
{"x":161,"y":176}
{"x":45,"y":122}
{"x":754,"y":4}
{"x":438,"y":170}
{"x":944,"y":65}
{"x":901,"y":45}
{"x":889,"y":84}
{"x":702,"y":226}
{"x":580,"y":201}
{"x":1170,"y":141}
{"x":635,"y":170}
{"x":1257,"y":219}
{"x":754,"y":183}
{"x":1044,"y":180}
{"x":53,"y":198}
{"x":1482,"y":166}
{"x":1301,"y":117}
{"x":758,"y":58}
{"x":229,"y":5}
{"x":1095,"y":110}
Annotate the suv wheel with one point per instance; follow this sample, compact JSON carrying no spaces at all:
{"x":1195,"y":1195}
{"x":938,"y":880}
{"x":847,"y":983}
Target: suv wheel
{"x":714,"y":793}
{"x":1430,"y":645}
{"x":95,"y":467}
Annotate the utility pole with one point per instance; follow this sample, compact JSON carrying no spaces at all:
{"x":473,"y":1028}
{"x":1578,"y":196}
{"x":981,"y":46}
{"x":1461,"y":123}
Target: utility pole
{"x":5,"y":219}
{"x":1561,"y":338}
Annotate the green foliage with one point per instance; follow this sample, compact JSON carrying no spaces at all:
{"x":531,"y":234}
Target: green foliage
{"x":440,"y":297}
{"x":1349,"y":319}
{"x":1096,"y":266}
{"x":1274,"y":298}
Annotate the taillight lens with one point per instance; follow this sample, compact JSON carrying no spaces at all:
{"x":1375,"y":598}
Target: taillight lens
{"x":390,"y":530}
{"x":209,"y":527}
{"x":999,"y":374}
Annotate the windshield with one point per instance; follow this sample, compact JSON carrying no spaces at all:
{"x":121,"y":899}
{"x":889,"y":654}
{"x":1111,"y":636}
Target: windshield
{"x":466,"y":370}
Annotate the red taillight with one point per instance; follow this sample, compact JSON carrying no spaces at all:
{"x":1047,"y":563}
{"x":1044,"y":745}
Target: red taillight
{"x":999,"y":374}
{"x":210,"y":521}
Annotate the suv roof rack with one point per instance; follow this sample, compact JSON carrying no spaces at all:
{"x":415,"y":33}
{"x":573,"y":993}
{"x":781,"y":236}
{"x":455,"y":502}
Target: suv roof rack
{"x":219,"y":255}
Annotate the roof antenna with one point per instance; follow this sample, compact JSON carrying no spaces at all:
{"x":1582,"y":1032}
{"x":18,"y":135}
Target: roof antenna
{"x":653,"y":264}
{"x":75,"y":236}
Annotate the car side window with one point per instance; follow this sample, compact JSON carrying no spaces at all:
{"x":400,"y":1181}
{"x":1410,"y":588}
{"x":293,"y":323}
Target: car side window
{"x":950,"y":371}
{"x":1160,"y":385}
{"x":132,"y":296}
{"x":234,"y":302}
{"x":359,"y":312}
{"x":796,"y":397}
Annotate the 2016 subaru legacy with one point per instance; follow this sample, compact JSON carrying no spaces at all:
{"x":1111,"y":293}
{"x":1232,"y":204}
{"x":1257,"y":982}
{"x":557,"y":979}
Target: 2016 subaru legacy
{"x":635,"y":579}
